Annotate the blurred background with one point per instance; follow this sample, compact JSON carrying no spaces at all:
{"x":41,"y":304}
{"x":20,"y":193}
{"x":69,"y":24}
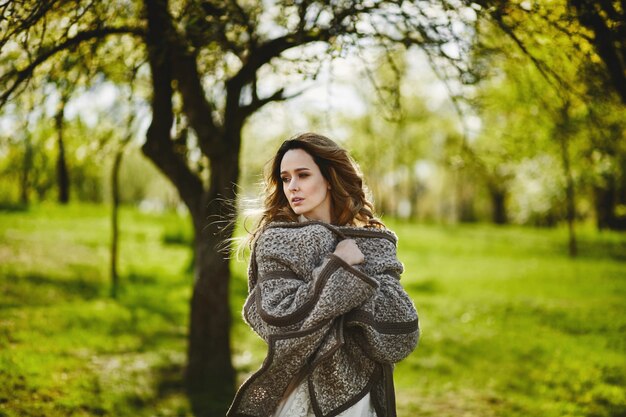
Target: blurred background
{"x":133,"y":139}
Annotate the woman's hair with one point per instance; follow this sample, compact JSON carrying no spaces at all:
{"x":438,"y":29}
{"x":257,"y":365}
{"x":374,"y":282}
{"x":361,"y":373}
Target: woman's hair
{"x":349,"y":205}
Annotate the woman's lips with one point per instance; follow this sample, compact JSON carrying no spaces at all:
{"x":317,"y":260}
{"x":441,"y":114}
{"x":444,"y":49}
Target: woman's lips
{"x":297,"y":201}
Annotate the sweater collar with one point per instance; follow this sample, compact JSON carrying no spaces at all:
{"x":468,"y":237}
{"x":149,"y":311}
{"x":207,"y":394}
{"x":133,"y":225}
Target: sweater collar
{"x":342,"y":231}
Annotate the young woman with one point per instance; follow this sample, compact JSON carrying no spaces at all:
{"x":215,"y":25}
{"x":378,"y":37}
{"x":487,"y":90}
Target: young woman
{"x":324,"y":292}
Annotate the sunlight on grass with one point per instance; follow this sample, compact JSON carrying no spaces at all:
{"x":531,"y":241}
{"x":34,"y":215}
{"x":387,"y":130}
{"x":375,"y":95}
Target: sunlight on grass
{"x":510,"y":325}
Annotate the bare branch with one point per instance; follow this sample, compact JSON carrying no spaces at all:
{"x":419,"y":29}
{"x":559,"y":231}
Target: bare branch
{"x":197,"y":108}
{"x":258,"y":103}
{"x":259,"y":57}
{"x":158,"y":146}
{"x":549,"y":75}
{"x":40,"y":10}
{"x":185,"y":71}
{"x":19,"y":76}
{"x":273,"y":48}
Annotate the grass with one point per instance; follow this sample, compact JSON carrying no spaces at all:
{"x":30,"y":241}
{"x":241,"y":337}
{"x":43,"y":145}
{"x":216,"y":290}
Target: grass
{"x":66,"y":348}
{"x":510,"y":325}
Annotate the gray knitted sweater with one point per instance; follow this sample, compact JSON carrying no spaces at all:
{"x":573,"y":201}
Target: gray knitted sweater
{"x":340,"y":327}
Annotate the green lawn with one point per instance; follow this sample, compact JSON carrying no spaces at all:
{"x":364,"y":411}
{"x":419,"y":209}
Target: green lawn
{"x":510,"y":325}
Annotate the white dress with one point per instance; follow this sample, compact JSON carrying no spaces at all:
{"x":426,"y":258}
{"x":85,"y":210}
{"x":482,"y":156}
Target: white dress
{"x":298,"y":404}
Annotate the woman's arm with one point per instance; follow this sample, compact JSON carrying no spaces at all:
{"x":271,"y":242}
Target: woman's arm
{"x":284,"y":298}
{"x":387,"y":322}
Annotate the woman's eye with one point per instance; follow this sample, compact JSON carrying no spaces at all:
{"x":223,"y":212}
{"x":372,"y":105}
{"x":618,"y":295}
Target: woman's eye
{"x":284,"y":179}
{"x":304,"y":175}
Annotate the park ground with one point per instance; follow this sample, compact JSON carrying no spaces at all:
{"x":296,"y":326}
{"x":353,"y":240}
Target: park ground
{"x":511,"y":326}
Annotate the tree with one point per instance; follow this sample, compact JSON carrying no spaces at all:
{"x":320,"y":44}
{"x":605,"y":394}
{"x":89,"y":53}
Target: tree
{"x":607,"y":22}
{"x":63,"y":179}
{"x":578,"y":67}
{"x":594,"y":28}
{"x":213,"y":64}
{"x":118,"y":155}
{"x":391,"y":149}
{"x":29,"y":164}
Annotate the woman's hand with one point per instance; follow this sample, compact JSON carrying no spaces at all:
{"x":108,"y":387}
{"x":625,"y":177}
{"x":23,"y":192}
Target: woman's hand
{"x":349,"y":251}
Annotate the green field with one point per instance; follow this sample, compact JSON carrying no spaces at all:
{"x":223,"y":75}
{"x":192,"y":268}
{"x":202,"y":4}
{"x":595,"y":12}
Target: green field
{"x":510,"y":325}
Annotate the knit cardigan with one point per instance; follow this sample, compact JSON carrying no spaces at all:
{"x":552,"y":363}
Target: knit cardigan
{"x":340,"y":327}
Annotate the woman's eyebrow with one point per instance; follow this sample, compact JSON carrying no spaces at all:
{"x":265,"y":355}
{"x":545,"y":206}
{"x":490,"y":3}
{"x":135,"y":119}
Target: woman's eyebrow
{"x":295,"y":170}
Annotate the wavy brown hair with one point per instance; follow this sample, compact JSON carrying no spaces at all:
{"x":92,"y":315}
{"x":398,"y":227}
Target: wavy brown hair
{"x":349,"y":205}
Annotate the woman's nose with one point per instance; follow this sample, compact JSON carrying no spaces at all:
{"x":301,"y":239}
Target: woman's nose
{"x":293,"y":185}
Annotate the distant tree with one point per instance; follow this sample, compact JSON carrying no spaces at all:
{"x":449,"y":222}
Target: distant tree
{"x":578,"y":67}
{"x":395,"y":134}
{"x":127,"y":118}
{"x":28,"y":161}
{"x":607,"y":22}
{"x":63,"y":179}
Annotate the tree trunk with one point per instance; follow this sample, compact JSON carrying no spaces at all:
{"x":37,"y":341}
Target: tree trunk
{"x":605,"y":201}
{"x":601,"y":18}
{"x":563,"y":131}
{"x":464,"y":207}
{"x":26,"y":169}
{"x":210,"y":376}
{"x":498,"y":204}
{"x":115,"y":200}
{"x":63,"y":180}
{"x":466,"y":210}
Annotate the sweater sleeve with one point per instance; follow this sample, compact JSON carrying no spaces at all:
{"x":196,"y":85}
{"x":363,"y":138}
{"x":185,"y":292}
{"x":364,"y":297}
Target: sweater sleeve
{"x":289,"y":296}
{"x":284,"y":298}
{"x":386,"y":325}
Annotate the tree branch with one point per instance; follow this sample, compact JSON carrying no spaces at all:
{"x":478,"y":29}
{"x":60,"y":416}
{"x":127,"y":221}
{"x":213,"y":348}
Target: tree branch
{"x":158,"y":145}
{"x":259,"y":57}
{"x":195,"y":105}
{"x":197,"y":108}
{"x":33,"y":16}
{"x":20,"y":76}
{"x":258,"y":103}
{"x":265,"y":52}
{"x":606,"y":44}
{"x":548,"y":74}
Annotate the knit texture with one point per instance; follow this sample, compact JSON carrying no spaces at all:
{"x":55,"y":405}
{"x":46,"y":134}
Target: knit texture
{"x":340,"y":326}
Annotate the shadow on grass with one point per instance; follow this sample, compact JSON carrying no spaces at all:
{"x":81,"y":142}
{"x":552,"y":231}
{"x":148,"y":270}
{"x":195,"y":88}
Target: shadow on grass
{"x":135,"y":278}
{"x":152,"y":315}
{"x":146,"y":293}
{"x":159,"y":323}
{"x":170,"y":382}
{"x":428,"y":286}
{"x":170,"y":379}
{"x":598,"y":249}
{"x":36,"y":289}
{"x":8,"y":207}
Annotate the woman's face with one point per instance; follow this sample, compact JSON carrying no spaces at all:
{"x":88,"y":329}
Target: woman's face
{"x":304,"y":185}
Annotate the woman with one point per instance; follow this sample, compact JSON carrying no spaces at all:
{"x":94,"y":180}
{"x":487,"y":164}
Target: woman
{"x":324,"y":292}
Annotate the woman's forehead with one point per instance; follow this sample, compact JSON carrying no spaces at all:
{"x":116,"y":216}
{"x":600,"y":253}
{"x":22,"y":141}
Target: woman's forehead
{"x":296,"y":160}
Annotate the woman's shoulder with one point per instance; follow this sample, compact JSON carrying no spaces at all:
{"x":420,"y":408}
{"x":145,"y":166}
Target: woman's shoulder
{"x":369,"y":232}
{"x":315,"y":228}
{"x":291,"y":228}
{"x":286,"y":233}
